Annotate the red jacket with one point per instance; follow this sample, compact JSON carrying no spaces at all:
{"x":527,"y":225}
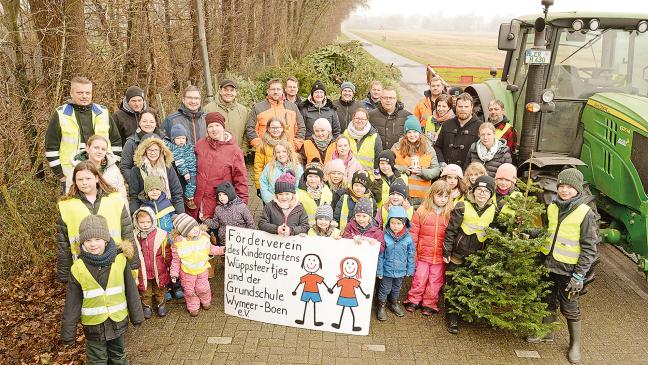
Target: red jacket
{"x":155,"y":259}
{"x":428,"y":236}
{"x":215,"y":165}
{"x":374,"y":232}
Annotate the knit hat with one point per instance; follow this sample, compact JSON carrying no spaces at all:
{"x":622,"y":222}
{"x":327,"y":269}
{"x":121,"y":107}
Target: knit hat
{"x":455,"y":91}
{"x":318,"y":85}
{"x":389,"y":156}
{"x":285,"y":183}
{"x":314,"y":168}
{"x":361,"y":177}
{"x":324,"y":211}
{"x":227,"y":188}
{"x":485,"y":181}
{"x":227,"y":82}
{"x":215,"y":117}
{"x":336,"y":165}
{"x":412,"y":124}
{"x":152,"y":182}
{"x":452,"y":169}
{"x":132,"y":92}
{"x":399,"y":187}
{"x":93,"y":226}
{"x":322,"y":123}
{"x":184,"y":223}
{"x":506,"y":171}
{"x":571,"y":177}
{"x":178,"y":130}
{"x":348,"y":85}
{"x":363,"y":206}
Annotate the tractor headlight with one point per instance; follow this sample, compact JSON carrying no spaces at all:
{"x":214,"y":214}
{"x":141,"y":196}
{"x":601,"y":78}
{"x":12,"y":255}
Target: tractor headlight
{"x":594,"y":24}
{"x":548,"y":95}
{"x":642,"y":26}
{"x":577,"y":25}
{"x":533,"y":107}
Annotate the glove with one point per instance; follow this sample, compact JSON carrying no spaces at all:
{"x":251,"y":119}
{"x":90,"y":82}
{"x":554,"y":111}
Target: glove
{"x":575,"y":285}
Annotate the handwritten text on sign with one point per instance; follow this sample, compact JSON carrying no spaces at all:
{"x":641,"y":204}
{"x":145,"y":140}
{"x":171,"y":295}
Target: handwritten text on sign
{"x":307,"y":282}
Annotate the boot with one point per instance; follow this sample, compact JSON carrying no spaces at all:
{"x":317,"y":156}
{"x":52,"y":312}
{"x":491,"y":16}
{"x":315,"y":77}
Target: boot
{"x":453,"y":323}
{"x":162,"y":311}
{"x":397,"y":308}
{"x":549,"y":337}
{"x":147,"y":311}
{"x":574,"y":341}
{"x":411,"y":307}
{"x":381,"y":314}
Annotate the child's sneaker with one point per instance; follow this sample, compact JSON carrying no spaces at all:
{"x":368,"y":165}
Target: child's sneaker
{"x":190,"y":203}
{"x":179,"y":294}
{"x":205,"y":306}
{"x":147,"y":312}
{"x":162,"y":311}
{"x":427,"y":311}
{"x":410,"y":307}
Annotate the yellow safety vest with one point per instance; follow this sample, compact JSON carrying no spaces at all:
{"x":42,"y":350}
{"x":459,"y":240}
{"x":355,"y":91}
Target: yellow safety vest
{"x":365,"y":154}
{"x":71,"y":139}
{"x":344,"y":214}
{"x":386,"y":186}
{"x":73,"y":211}
{"x":385,"y":213}
{"x":508,"y":210}
{"x":99,"y":304}
{"x":566,"y":242}
{"x":500,"y":132}
{"x":473,"y":223}
{"x":458,"y":199}
{"x":194,"y":255}
{"x":431,"y":128}
{"x":309,"y":203}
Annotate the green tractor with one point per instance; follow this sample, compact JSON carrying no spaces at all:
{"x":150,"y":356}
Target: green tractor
{"x":575,"y":86}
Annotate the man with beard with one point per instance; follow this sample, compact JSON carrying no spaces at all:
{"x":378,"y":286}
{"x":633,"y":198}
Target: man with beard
{"x":275,"y":106}
{"x":458,"y":133}
{"x":389,"y":117}
{"x":503,"y":129}
{"x":235,"y":113}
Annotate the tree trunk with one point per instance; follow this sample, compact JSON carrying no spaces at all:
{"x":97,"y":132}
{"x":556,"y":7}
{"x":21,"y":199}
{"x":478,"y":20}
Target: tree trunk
{"x":75,"y":56}
{"x":173,"y":56}
{"x":48,"y":20}
{"x":137,"y":55}
{"x":195,"y":73}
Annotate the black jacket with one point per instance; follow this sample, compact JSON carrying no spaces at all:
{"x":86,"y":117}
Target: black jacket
{"x":311,"y":113}
{"x":345,"y":110}
{"x":454,"y":141}
{"x":503,"y":155}
{"x":389,"y":126}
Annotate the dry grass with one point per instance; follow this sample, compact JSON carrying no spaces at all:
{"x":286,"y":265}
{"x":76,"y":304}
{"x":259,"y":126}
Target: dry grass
{"x":439,"y":48}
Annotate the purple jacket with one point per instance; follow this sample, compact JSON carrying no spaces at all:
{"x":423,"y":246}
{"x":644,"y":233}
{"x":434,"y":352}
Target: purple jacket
{"x":352,"y":229}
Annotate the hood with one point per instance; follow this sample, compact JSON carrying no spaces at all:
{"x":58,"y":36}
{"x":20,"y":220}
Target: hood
{"x":111,"y":159}
{"x":148,"y":211}
{"x":229,"y":190}
{"x":397,"y":212}
{"x":228,"y":140}
{"x":632,"y":109}
{"x":197,"y":114}
{"x":125,"y":107}
{"x":138,"y":156}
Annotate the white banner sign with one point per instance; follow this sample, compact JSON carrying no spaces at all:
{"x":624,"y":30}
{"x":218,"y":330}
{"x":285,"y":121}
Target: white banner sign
{"x":308,"y":282}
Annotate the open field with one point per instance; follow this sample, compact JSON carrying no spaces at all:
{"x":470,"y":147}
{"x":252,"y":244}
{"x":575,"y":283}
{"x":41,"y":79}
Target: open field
{"x":439,"y":48}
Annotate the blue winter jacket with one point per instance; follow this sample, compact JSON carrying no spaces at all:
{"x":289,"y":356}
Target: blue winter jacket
{"x":267,"y":183}
{"x":398,"y":258}
{"x":184,"y":158}
{"x":163,"y":210}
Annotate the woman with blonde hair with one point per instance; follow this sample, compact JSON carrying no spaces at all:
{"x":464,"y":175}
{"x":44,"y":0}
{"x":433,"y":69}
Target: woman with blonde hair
{"x":489,"y":150}
{"x":283,"y":159}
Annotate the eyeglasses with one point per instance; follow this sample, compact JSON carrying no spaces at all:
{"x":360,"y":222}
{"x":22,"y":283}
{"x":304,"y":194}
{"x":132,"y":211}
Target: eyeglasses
{"x":482,"y":191}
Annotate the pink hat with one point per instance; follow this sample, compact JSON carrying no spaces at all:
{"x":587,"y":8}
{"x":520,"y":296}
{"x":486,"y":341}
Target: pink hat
{"x":452,"y":169}
{"x":322,"y":123}
{"x":506,"y":171}
{"x":334,"y":165}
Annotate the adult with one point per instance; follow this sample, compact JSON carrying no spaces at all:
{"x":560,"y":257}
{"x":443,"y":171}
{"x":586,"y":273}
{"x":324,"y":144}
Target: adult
{"x":89,"y":194}
{"x":458,"y":134}
{"x":219,"y":159}
{"x":366,"y":143}
{"x":424,"y":107}
{"x":454,"y":93}
{"x":235,"y":113}
{"x":320,"y":145}
{"x":292,"y":88}
{"x":503,"y":128}
{"x":73,"y":123}
{"x":316,"y":106}
{"x":372,"y":100}
{"x":489,"y":150}
{"x":276,"y":132}
{"x":416,"y":158}
{"x":147,"y":124}
{"x":346,"y":105}
{"x":127,"y":114}
{"x":153,"y":158}
{"x":389,"y":117}
{"x":283,"y":159}
{"x":97,"y":153}
{"x":343,"y":152}
{"x":189,"y":114}
{"x":275,"y":106}
{"x":442,"y":112}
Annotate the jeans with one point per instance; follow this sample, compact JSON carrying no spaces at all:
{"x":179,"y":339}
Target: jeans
{"x":389,"y":288}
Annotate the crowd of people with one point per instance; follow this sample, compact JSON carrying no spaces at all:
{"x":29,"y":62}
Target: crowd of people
{"x":423,"y":185}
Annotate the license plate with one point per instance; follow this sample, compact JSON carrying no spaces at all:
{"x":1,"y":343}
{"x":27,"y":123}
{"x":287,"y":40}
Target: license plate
{"x":537,"y":56}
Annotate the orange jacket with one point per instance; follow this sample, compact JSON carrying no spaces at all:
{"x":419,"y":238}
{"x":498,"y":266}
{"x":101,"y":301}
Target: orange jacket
{"x":423,"y":109}
{"x":284,"y":110}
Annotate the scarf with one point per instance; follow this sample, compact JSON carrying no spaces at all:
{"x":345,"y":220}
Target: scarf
{"x":315,"y":193}
{"x":397,"y":236}
{"x":158,"y":170}
{"x":504,"y":192}
{"x":323,"y":145}
{"x":269,"y":140}
{"x":487,"y":154}
{"x":355,"y":197}
{"x":103,"y":260}
{"x":336,"y":187}
{"x":358,"y":134}
{"x":440,"y":119}
{"x":364,"y":230}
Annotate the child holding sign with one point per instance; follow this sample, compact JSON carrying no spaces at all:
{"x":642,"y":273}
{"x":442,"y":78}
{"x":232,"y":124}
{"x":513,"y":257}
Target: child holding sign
{"x":190,"y":251}
{"x":324,"y":225}
{"x":284,"y":214}
{"x":363,"y":227}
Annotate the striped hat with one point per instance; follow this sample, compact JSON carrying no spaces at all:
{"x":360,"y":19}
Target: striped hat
{"x":184,"y":223}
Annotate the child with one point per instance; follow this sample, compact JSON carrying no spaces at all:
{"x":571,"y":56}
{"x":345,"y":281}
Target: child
{"x":387,"y":174}
{"x":312,"y":191}
{"x":453,"y":175}
{"x":154,"y":198}
{"x":398,"y":196}
{"x":363,"y":227}
{"x":466,"y":232}
{"x":428,"y":232}
{"x":324,"y":225}
{"x":155,"y":260}
{"x":230,"y":211}
{"x":505,"y":179}
{"x":185,"y":161}
{"x":284,"y":214}
{"x":191,"y":250}
{"x":359,"y":189}
{"x":395,"y":262}
{"x":473,"y":171}
{"x":335,"y":178}
{"x":100,"y":278}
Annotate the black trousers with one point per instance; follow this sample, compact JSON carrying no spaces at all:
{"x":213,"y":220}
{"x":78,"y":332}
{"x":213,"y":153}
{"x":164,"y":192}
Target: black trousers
{"x":558,"y":296}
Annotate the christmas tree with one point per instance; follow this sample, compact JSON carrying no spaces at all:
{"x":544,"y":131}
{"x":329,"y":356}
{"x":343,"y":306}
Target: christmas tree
{"x":503,"y":283}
